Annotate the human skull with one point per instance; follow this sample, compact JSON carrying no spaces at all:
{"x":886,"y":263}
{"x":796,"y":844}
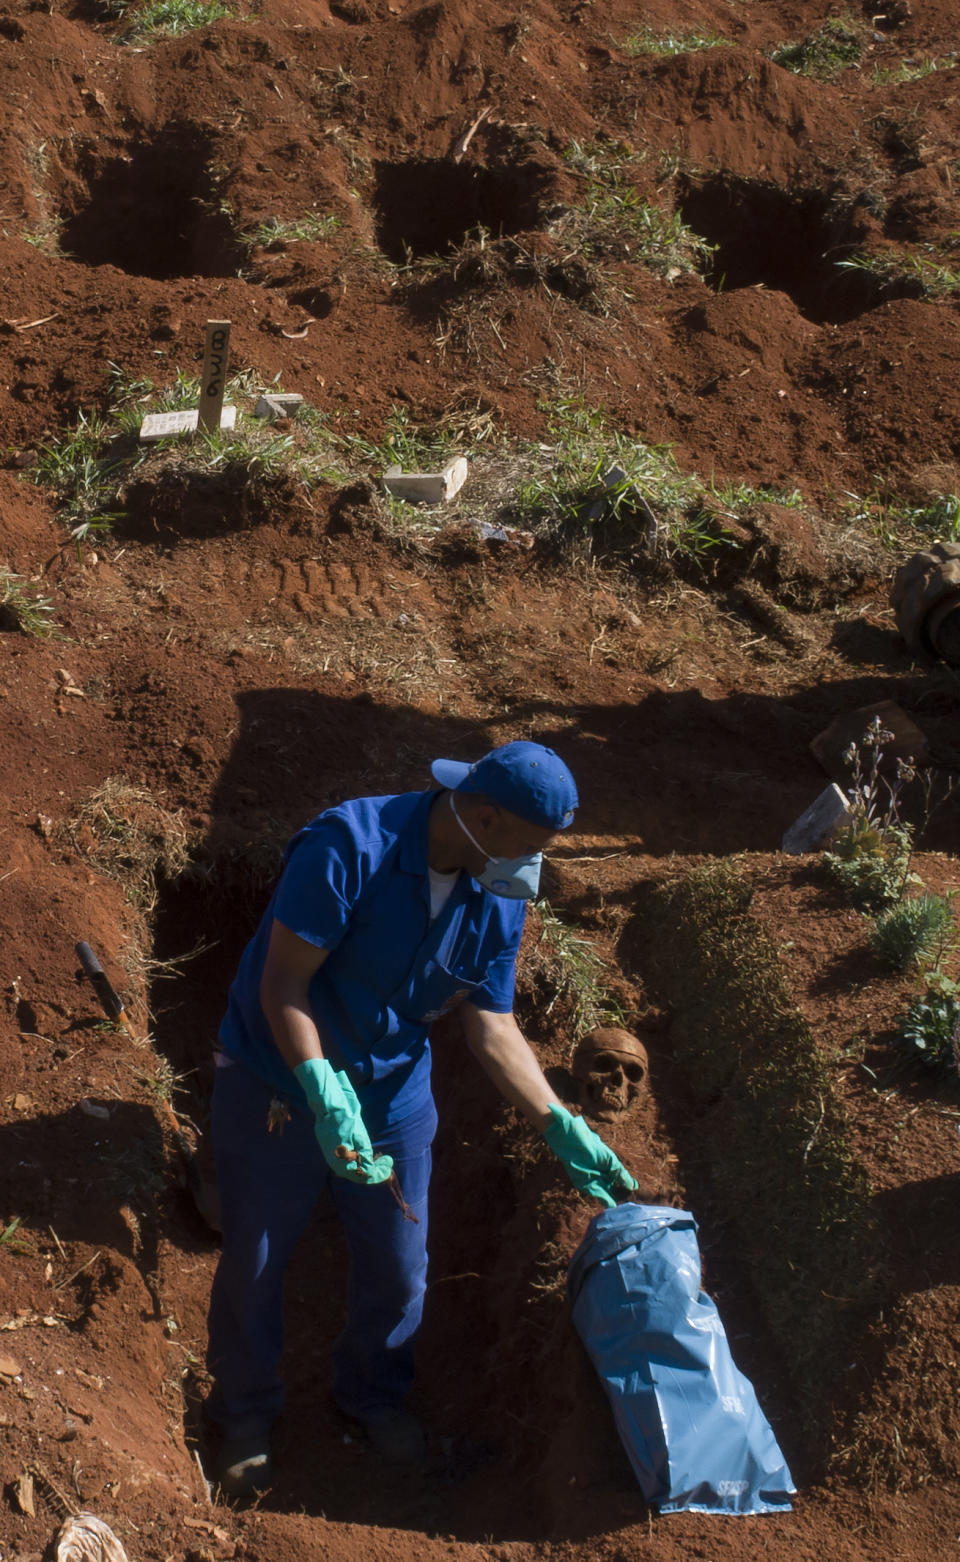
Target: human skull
{"x":610,"y":1067}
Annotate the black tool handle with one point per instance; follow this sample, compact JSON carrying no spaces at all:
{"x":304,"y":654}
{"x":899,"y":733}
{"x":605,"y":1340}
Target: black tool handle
{"x":110,"y":1000}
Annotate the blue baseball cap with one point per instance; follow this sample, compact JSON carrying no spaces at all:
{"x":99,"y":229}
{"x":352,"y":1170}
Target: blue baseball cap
{"x":531,"y":781}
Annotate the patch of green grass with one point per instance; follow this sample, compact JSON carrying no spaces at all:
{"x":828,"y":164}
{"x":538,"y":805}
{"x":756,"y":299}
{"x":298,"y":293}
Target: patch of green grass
{"x":170,"y":18}
{"x":648,"y":41}
{"x":835,"y":46}
{"x":910,"y":70}
{"x":891,"y":519}
{"x":22,"y":608}
{"x":771,"y":1125}
{"x":737,"y":497}
{"x":567,"y":496}
{"x":405,"y":444}
{"x":918,"y":931}
{"x":939,"y":520}
{"x":929,"y":276}
{"x":274,"y":232}
{"x":45,"y":237}
{"x":613,"y":219}
{"x":83,"y":465}
{"x":90,"y":463}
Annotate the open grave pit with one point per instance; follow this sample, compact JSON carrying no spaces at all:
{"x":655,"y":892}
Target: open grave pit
{"x":794,"y":241}
{"x":150,"y":208}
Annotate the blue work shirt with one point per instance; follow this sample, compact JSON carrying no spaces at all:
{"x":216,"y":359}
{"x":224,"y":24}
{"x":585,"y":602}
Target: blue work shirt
{"x":355,"y":882}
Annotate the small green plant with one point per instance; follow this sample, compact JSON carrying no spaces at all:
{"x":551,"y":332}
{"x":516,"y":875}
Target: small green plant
{"x":929,"y":1032}
{"x":939,"y":519}
{"x":836,"y":46}
{"x":648,"y":41}
{"x":871,"y":857}
{"x":23,"y":609}
{"x":171,"y":18}
{"x":891,"y":519}
{"x":918,"y":931}
{"x":274,"y":232}
{"x":412,"y":448}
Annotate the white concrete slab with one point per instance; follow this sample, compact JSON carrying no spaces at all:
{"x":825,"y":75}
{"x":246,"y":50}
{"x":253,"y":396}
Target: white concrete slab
{"x":168,"y":425}
{"x":427,"y":487}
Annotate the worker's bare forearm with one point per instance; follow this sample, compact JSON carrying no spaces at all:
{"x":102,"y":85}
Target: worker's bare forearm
{"x":503,"y":1052}
{"x":289,"y":968}
{"x":293,"y":1029}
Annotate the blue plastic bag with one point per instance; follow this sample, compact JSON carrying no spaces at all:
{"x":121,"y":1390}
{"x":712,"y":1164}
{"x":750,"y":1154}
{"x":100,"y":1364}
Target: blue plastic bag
{"x":688,"y":1418}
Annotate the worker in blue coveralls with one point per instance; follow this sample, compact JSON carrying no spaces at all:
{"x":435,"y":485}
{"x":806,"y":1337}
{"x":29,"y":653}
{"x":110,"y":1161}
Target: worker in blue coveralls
{"x":389,"y":912}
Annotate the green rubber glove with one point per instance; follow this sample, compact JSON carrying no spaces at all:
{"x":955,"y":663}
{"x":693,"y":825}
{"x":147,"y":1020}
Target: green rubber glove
{"x":591,"y":1165}
{"x":338,"y":1124}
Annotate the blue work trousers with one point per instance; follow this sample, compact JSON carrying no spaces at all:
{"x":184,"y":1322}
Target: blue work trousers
{"x":270,"y":1183}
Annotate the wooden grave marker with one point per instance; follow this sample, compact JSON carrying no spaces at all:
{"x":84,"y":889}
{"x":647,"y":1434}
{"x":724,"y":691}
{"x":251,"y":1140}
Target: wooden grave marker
{"x":211,"y":414}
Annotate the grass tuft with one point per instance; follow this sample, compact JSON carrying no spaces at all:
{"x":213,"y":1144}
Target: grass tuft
{"x":653,"y":509}
{"x":914,"y":271}
{"x":129,"y":836}
{"x":929,"y":1032}
{"x":613,"y":220}
{"x":910,"y":70}
{"x":22,"y":609}
{"x":167,"y":18}
{"x":836,"y":46}
{"x":274,"y":232}
{"x":566,"y":964}
{"x":665,"y":45}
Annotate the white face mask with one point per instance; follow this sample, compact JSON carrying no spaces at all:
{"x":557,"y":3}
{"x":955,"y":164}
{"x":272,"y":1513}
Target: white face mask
{"x":515,"y":878}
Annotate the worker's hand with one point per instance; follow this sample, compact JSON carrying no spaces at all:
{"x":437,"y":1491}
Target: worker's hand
{"x":338,"y":1124}
{"x":591,"y":1165}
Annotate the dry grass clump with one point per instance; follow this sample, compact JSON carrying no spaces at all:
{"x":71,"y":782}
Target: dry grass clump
{"x":126,"y":834}
{"x":562,"y":977}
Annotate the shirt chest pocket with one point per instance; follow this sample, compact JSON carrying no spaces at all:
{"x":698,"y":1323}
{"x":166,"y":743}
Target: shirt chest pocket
{"x":434,"y":990}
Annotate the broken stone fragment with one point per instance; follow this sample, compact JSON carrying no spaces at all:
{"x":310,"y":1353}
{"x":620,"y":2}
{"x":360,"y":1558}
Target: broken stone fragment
{"x":615,"y":494}
{"x":278,"y":404}
{"x":427,"y":487}
{"x":820,"y":824}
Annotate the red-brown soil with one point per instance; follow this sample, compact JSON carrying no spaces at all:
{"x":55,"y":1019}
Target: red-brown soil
{"x":229,"y":662}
